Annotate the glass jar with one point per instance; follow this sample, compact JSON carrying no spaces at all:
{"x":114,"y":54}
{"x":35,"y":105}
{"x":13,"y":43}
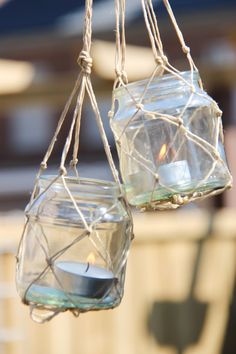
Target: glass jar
{"x":74,"y":247}
{"x":169,"y":139}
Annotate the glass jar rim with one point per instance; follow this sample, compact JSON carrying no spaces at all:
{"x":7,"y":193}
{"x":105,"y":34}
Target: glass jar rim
{"x":82,"y":185}
{"x":163,"y":82}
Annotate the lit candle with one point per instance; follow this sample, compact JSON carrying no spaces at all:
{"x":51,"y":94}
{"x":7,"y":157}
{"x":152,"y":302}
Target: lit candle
{"x":84,"y":279}
{"x":173,"y":173}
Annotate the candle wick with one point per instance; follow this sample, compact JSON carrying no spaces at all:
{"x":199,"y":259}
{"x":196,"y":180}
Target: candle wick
{"x":87,"y":268}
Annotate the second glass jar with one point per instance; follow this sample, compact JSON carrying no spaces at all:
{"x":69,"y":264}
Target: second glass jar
{"x":161,"y":163}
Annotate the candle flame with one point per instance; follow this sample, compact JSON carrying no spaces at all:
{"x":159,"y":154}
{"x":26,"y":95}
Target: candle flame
{"x":91,"y":258}
{"x":162,"y":153}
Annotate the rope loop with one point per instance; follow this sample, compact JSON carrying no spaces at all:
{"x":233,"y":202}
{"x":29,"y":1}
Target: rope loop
{"x":85,"y":62}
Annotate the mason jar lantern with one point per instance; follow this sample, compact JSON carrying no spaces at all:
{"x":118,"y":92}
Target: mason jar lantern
{"x":73,"y":251}
{"x":169,"y":138}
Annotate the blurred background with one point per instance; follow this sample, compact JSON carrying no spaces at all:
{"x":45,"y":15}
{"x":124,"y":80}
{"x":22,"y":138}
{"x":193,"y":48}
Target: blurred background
{"x":180,"y":286}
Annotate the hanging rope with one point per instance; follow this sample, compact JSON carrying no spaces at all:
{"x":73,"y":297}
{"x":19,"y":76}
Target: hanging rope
{"x":120,"y":43}
{"x":82,"y":86}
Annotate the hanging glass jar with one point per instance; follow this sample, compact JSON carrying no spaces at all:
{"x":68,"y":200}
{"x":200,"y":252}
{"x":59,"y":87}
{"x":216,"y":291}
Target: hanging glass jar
{"x":73,"y":252}
{"x":74,"y":247}
{"x":169,"y":137}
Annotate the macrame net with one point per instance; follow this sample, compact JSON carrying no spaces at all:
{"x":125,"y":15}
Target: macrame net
{"x":185,"y":133}
{"x":33,"y":271}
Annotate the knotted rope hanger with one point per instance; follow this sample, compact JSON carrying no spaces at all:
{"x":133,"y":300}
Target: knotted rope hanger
{"x":163,"y":65}
{"x":82,"y":86}
{"x":155,"y":38}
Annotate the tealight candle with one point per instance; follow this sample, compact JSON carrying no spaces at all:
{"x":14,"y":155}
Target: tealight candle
{"x":174,"y":173}
{"x":84,"y":279}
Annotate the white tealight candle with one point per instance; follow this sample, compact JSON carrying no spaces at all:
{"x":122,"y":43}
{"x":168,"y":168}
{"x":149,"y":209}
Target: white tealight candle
{"x":174,"y":173}
{"x":84,"y":279}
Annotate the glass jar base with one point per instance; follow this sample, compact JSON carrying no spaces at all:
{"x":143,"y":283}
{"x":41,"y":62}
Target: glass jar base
{"x":51,"y":297}
{"x":153,"y":200}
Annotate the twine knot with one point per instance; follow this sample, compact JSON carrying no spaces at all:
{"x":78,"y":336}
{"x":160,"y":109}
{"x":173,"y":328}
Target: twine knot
{"x":89,"y":230}
{"x":110,"y":114}
{"x":156,"y":176}
{"x":74,"y":162}
{"x":63,"y":171}
{"x":139,"y":106}
{"x":216,"y":154}
{"x":43,"y":165}
{"x":85,"y":62}
{"x":49,"y":262}
{"x":186,"y":49}
{"x":180,"y":121}
{"x":118,"y":142}
{"x":162,"y":60}
{"x":121,"y":74}
{"x":179,"y":200}
{"x":219,"y":113}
